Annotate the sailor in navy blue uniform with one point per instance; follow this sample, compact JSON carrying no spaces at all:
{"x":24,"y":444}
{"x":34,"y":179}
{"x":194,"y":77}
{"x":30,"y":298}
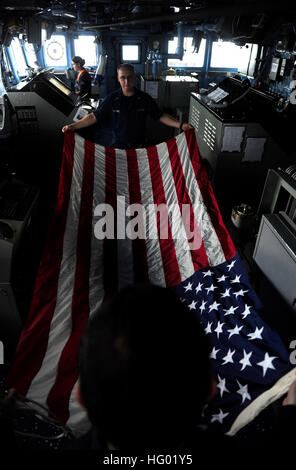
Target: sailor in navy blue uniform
{"x":126,"y":116}
{"x":124,"y":112}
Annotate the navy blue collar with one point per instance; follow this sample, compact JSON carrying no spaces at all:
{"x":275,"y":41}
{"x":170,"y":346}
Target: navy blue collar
{"x":120,"y":93}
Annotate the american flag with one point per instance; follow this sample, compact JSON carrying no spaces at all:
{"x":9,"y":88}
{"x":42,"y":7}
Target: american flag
{"x":78,"y":271}
{"x":247,"y":356}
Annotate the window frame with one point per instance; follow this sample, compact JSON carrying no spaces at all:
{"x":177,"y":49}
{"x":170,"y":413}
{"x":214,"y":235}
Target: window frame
{"x":185,"y":67}
{"x":131,"y":43}
{"x":57,"y":67}
{"x":96,"y":46}
{"x":225,"y":69}
{"x":12,"y":59}
{"x":26,"y":52}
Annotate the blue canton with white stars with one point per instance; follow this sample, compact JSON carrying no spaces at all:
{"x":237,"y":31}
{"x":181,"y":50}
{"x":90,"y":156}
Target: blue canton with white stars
{"x":247,"y":355}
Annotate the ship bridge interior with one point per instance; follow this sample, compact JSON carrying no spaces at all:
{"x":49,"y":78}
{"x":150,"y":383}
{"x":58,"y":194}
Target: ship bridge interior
{"x":228,"y":68}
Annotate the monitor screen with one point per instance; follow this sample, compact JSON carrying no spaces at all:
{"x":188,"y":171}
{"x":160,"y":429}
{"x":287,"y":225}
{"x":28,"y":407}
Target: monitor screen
{"x":60,"y":86}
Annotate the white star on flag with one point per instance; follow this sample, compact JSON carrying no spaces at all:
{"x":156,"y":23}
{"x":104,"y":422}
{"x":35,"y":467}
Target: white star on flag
{"x":222,"y":386}
{"x":211,"y":288}
{"x":230,"y":311}
{"x":221,"y":279}
{"x":219,"y":417}
{"x":243,"y":391}
{"x":219,"y":328}
{"x":240,"y":292}
{"x":192,"y":305}
{"x":207,"y":273}
{"x":188,"y":287}
{"x":226,"y":293}
{"x":267,"y":363}
{"x":246,"y":312}
{"x":234,"y":331}
{"x":214,"y":306}
{"x":214,"y":352}
{"x":198,"y":288}
{"x":203,"y":306}
{"x":208,"y":329}
{"x":245,"y":360}
{"x":236,"y":279}
{"x":228,"y":357}
{"x":230,"y":266}
{"x":256,"y":334}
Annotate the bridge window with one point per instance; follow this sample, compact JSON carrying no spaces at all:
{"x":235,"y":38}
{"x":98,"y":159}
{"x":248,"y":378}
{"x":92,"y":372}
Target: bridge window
{"x":30,"y":54}
{"x":55,"y":51}
{"x":18,"y":57}
{"x":86,"y":48}
{"x":130,"y":53}
{"x":190,"y":58}
{"x":229,"y":55}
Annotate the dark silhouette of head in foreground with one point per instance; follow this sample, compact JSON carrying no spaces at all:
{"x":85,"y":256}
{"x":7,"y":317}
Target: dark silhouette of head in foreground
{"x":144,"y":369}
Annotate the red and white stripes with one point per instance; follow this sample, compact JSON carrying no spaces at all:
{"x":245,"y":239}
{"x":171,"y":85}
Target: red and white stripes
{"x":78,"y":271}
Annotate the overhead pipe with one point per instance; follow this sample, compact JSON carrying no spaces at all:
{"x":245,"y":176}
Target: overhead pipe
{"x":196,"y":14}
{"x":180,"y":46}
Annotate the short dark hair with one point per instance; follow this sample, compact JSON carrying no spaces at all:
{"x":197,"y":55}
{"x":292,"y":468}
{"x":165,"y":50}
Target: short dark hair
{"x":144,"y":368}
{"x":129,"y":67}
{"x":78,"y":60}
